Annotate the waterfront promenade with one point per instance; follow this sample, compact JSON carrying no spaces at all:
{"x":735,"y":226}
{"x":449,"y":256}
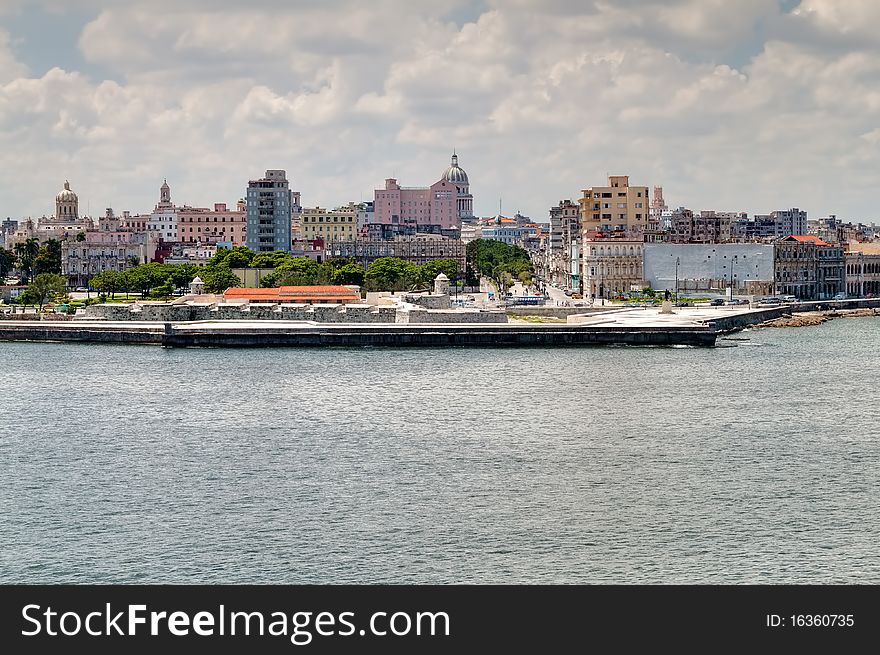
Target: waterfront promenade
{"x":307,"y":333}
{"x":637,"y":326}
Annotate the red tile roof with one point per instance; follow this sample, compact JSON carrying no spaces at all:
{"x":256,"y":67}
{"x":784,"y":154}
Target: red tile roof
{"x":807,"y":238}
{"x":328,"y":293}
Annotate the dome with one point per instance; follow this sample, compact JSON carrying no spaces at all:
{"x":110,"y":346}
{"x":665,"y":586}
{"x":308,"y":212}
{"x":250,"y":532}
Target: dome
{"x":66,"y":195}
{"x":455,"y":174}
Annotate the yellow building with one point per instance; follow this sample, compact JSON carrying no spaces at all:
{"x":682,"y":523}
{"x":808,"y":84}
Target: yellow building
{"x":617,"y":207}
{"x":331,"y":225}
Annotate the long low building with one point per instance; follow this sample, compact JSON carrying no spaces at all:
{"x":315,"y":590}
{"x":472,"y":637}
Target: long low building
{"x":326,"y":294}
{"x":701,"y":267}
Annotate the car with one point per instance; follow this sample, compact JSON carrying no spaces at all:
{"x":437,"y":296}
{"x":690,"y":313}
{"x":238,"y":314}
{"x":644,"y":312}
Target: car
{"x":839,"y":296}
{"x":716,"y":302}
{"x":771,"y":301}
{"x":789,"y":299}
{"x":82,"y":289}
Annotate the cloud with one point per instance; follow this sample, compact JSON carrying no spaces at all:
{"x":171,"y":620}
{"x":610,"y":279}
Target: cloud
{"x":731,"y":106}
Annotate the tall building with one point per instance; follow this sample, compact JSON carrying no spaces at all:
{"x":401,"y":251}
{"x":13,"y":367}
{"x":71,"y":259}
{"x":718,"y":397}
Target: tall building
{"x":565,"y":236}
{"x":617,"y":207}
{"x":269,"y":207}
{"x":441,"y":206}
{"x":790,"y":222}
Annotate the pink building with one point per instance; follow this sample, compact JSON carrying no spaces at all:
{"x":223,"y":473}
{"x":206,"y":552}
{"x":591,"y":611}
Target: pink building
{"x":207,"y":226}
{"x":443,"y":204}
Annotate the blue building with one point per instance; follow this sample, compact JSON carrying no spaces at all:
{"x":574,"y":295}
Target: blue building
{"x":269,"y":205}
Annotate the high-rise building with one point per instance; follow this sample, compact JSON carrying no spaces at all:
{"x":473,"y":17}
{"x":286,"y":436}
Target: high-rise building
{"x":269,"y":207}
{"x":617,"y":207}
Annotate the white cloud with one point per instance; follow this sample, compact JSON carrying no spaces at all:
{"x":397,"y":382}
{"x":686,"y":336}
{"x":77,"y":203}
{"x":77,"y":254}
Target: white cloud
{"x":727,"y":105}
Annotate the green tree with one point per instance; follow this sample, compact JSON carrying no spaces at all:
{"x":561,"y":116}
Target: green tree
{"x":180,"y":276}
{"x":7,"y":263}
{"x":80,"y":237}
{"x":350,"y":273}
{"x":391,"y":274}
{"x":219,"y":278}
{"x":108,"y":282}
{"x":27,"y":252}
{"x":48,"y":259}
{"x":294,"y":271}
{"x":240,"y":257}
{"x":498,"y":261}
{"x":46,"y":286}
{"x":430,"y":270}
{"x":270,"y":259}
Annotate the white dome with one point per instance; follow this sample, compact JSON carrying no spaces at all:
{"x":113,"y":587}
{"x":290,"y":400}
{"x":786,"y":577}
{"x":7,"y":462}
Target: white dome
{"x":66,"y":195}
{"x":454,"y":173}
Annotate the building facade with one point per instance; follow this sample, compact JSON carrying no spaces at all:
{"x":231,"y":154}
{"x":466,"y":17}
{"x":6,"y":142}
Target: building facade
{"x":863,"y":273}
{"x":618,"y":208}
{"x":565,"y":232}
{"x":418,"y":249}
{"x":269,"y":207}
{"x":742,"y":267}
{"x":340,"y":224}
{"x":442,"y":205}
{"x":212,"y":226}
{"x":112,"y":247}
{"x":612,"y":266}
{"x":808,"y":268}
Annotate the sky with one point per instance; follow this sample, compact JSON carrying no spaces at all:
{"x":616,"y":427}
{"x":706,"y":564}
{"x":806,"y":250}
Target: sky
{"x":751,"y":105}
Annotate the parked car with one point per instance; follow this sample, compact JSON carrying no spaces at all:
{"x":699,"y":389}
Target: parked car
{"x":839,"y":296}
{"x":789,"y":299}
{"x":716,"y":302}
{"x":772,"y":301}
{"x":81,"y":289}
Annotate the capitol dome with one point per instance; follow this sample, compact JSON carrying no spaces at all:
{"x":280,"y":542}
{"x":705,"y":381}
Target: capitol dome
{"x":455,"y":174}
{"x":66,"y":195}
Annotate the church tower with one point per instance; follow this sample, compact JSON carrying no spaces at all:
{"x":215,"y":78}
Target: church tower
{"x":164,"y":196}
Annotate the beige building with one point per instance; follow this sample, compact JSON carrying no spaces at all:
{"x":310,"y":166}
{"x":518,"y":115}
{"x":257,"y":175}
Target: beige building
{"x":329,"y":224}
{"x":612,"y":266}
{"x":863,"y":270}
{"x":617,"y":207}
{"x":212,"y":226}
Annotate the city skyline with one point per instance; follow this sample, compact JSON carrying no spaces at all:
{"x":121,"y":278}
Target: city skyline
{"x":754,"y":107}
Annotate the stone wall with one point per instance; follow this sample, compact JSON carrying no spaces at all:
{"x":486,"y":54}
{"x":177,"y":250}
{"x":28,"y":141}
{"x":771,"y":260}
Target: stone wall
{"x":267,"y":312}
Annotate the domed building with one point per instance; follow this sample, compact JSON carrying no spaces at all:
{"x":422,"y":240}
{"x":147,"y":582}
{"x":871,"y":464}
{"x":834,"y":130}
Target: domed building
{"x":439,"y":208}
{"x":66,"y":204}
{"x":455,"y":174}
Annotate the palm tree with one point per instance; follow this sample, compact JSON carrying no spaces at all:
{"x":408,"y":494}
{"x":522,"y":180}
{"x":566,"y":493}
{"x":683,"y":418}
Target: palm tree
{"x":27,"y":252}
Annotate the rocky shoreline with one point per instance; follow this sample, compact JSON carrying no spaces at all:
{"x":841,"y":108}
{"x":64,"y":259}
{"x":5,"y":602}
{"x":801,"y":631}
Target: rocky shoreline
{"x":806,"y":319}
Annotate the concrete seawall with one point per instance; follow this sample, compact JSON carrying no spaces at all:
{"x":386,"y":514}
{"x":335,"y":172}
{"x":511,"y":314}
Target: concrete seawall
{"x":259,"y":334}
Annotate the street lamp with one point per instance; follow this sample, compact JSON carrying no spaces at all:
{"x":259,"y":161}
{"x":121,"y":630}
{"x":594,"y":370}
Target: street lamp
{"x":732,"y":264}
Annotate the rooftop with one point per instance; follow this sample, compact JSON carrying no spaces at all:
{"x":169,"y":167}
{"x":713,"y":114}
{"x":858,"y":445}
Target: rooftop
{"x":304,"y":294}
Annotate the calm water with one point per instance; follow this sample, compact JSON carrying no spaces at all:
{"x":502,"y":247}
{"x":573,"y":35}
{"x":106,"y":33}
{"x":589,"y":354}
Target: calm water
{"x":755,"y":463}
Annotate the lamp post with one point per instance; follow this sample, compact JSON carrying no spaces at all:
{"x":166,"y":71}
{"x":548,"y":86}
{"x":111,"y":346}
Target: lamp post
{"x":677,"y":262}
{"x":732,"y":264}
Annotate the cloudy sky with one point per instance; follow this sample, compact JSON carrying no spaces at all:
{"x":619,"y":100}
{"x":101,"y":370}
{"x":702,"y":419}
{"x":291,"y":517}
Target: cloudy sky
{"x":750,"y":105}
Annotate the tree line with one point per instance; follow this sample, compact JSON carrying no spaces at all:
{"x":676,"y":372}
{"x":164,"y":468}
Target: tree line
{"x":500,"y":262}
{"x":31,"y":259}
